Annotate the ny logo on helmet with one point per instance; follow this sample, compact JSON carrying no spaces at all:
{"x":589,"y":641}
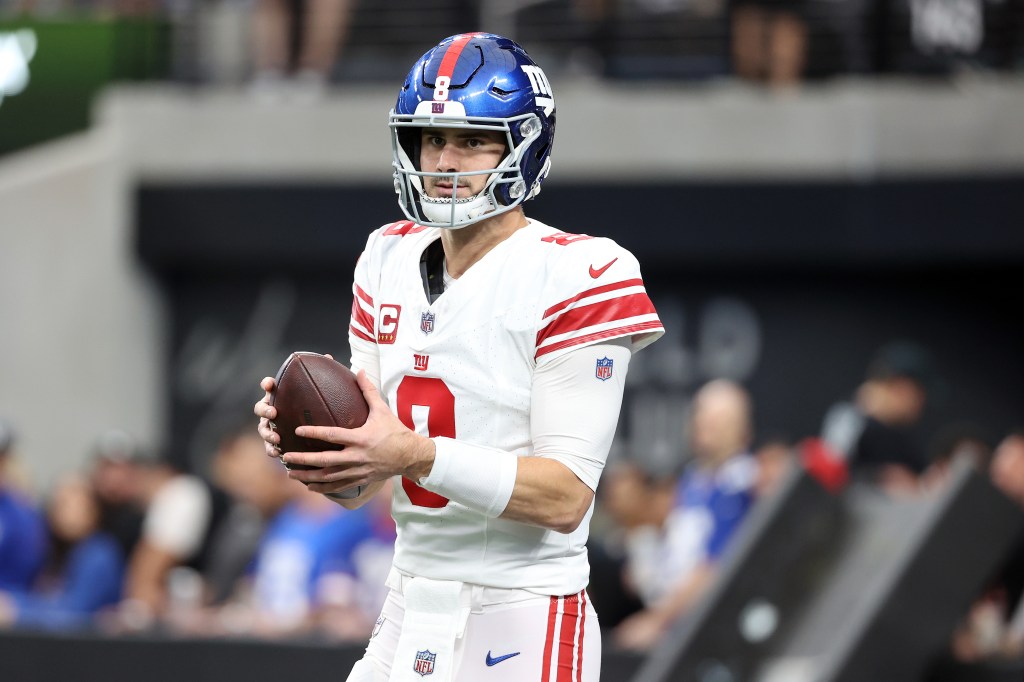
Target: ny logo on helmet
{"x":541,"y":88}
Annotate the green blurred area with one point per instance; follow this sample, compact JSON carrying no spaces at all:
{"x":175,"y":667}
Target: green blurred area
{"x":73,"y":60}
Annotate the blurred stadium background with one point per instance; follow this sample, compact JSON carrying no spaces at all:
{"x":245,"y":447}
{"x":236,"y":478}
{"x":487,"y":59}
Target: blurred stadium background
{"x":177,"y":214}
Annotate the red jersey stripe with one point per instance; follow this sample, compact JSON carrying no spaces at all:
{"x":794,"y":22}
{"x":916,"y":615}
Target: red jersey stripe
{"x":402,"y":228}
{"x":451,"y":56}
{"x":363,"y":295}
{"x":627,"y":330}
{"x":592,"y":292}
{"x":361,"y":316}
{"x":361,"y":334}
{"x":579,"y":643}
{"x":585,"y":316}
{"x":567,"y":638}
{"x":549,"y":639}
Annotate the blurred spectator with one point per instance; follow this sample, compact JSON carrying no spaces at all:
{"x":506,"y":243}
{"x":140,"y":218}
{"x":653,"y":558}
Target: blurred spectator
{"x":204,"y":602}
{"x":84,"y":571}
{"x":712,"y":499}
{"x":353,"y":600}
{"x":98,"y":8}
{"x":774,"y":459}
{"x":114,"y":477}
{"x":320,"y":27}
{"x":994,"y":626}
{"x":956,"y":441}
{"x":22,"y":529}
{"x":595,"y":19}
{"x":769,"y":41}
{"x":259,"y":491}
{"x":177,"y":524}
{"x":875,"y":432}
{"x":305,"y":567}
{"x":638,"y":504}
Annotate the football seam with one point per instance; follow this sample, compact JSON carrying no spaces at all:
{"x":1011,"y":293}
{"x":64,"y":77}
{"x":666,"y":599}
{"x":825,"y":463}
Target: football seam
{"x":318,"y":393}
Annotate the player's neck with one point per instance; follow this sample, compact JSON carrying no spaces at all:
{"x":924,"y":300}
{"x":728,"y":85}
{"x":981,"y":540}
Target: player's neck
{"x":463,"y":248}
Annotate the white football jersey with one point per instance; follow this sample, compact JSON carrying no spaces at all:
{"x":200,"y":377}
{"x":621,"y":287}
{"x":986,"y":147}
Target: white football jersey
{"x":462,"y":368}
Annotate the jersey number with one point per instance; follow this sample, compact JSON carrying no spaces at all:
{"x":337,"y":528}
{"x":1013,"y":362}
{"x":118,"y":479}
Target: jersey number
{"x":434,"y":395}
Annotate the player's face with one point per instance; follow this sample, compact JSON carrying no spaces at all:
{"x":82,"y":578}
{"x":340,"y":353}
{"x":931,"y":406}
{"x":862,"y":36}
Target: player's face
{"x":455,"y":150}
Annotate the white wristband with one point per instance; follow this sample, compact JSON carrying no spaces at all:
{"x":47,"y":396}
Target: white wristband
{"x":479,"y":477}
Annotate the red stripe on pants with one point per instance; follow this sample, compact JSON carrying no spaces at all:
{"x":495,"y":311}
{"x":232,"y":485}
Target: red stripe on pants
{"x":579,"y":644}
{"x":549,"y":639}
{"x":567,"y":638}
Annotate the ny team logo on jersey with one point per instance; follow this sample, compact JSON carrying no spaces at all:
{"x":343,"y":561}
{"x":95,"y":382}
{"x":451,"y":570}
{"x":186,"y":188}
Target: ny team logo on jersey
{"x":427,"y":322}
{"x":387,"y":328}
{"x":420,"y":362}
{"x":604,"y":369}
{"x":424,"y":663}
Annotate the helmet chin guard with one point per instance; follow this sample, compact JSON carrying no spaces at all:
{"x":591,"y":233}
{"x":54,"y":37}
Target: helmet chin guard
{"x":456,"y":213}
{"x":474,"y":81}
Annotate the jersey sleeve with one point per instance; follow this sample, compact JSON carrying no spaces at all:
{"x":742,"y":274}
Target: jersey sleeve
{"x":596,"y":294}
{"x":573,"y":412}
{"x":362,"y":335}
{"x":363,"y":322}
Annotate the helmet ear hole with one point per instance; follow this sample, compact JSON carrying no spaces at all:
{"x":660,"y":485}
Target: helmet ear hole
{"x":410,"y":140}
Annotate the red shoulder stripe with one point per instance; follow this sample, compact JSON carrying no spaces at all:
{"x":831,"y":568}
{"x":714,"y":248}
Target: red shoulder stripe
{"x":585,"y":316}
{"x":363,"y":295}
{"x":361,"y":334}
{"x":361,"y":316}
{"x":402,"y":228}
{"x":627,"y":330}
{"x":593,"y":292}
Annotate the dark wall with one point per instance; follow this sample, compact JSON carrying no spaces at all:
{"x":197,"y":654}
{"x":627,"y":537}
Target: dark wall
{"x":916,"y":223}
{"x":786,"y":287}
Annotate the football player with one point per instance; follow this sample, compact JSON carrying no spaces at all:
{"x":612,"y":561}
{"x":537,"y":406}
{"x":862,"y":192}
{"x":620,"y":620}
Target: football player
{"x":492,"y":350}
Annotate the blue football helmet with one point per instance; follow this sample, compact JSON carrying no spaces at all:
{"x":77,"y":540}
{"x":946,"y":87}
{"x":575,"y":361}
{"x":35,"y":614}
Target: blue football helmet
{"x":473,"y":81}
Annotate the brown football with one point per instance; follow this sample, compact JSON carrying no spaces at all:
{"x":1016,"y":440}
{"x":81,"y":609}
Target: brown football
{"x":313,"y":389}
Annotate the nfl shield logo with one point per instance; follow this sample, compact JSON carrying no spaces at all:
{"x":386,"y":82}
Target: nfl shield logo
{"x":427,"y":322}
{"x":424,"y":663}
{"x":604,"y":369}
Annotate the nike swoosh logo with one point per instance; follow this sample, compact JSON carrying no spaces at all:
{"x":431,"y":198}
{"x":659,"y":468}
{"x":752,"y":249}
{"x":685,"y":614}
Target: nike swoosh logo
{"x":600,"y":271}
{"x":498,"y":659}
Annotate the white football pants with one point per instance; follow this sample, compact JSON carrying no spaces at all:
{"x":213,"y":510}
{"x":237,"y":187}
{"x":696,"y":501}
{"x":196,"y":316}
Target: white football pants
{"x":509,"y":636}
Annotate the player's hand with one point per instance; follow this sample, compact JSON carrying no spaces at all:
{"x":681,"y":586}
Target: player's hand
{"x":383,"y":447}
{"x":266,"y":412}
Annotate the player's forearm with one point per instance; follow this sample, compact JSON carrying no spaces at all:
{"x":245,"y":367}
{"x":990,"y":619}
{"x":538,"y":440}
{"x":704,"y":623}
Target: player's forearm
{"x":534,"y":490}
{"x":549,"y":495}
